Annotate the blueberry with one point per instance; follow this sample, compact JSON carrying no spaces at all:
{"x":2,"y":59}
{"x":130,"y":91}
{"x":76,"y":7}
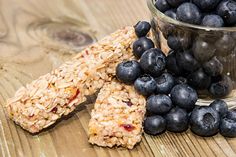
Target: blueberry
{"x":199,"y":79}
{"x":184,"y":96}
{"x":171,"y":13}
{"x":171,"y":64}
{"x":212,"y":21}
{"x":179,"y":42}
{"x":189,"y":13}
{"x":128,"y":71}
{"x":220,"y":106}
{"x":159,"y":104}
{"x":141,"y":45}
{"x":145,"y":85}
{"x":222,"y":87}
{"x":224,"y":45}
{"x":204,"y":121}
{"x":231,"y":115}
{"x":142,"y":28}
{"x":206,"y":5}
{"x":176,"y":3}
{"x":228,"y":127}
{"x":162,"y":5}
{"x":153,"y":61}
{"x":177,"y":120}
{"x":181,"y":80}
{"x":165,"y":83}
{"x":227,"y":10}
{"x":154,"y":125}
{"x":186,"y":61}
{"x":203,"y":50}
{"x":213,"y":67}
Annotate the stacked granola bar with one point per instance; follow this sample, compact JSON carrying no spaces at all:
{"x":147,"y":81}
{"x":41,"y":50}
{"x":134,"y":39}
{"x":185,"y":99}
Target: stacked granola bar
{"x":117,"y":117}
{"x":42,"y":102}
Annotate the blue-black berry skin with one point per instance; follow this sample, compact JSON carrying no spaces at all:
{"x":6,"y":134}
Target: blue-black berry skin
{"x":171,"y":13}
{"x":204,"y":121}
{"x":159,"y":104}
{"x":171,"y":64}
{"x":228,"y":127}
{"x":153,"y":62}
{"x":141,"y":45}
{"x":189,"y":13}
{"x":128,"y":71}
{"x":227,"y":10}
{"x":162,"y":5}
{"x":177,"y":120}
{"x":203,"y":50}
{"x":165,"y":83}
{"x":184,"y":96}
{"x":212,"y":21}
{"x":199,"y":80}
{"x":231,"y":115}
{"x":206,"y":5}
{"x":154,"y":125}
{"x":176,"y":3}
{"x":145,"y":85}
{"x":220,"y":106}
{"x":181,"y":41}
{"x":213,"y":67}
{"x":221,"y":87}
{"x":186,"y":61}
{"x":142,"y":28}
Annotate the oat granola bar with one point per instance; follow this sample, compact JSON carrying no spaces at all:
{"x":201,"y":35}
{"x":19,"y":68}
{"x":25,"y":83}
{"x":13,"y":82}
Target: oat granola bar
{"x":117,"y":117}
{"x":42,"y":102}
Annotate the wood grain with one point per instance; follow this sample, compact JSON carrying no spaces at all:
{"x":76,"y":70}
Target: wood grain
{"x":23,"y":23}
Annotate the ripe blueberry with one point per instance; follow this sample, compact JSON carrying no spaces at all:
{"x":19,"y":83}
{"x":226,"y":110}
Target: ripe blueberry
{"x":189,"y":13}
{"x":184,"y":96}
{"x":213,"y":67}
{"x":141,"y":45}
{"x":186,"y":61}
{"x":162,"y":5}
{"x":177,"y":120}
{"x":203,"y":50}
{"x":154,"y":125}
{"x":221,"y":87}
{"x":212,"y":21}
{"x":159,"y":104}
{"x":227,"y":10}
{"x":204,"y":121}
{"x":206,"y":5}
{"x":199,"y":79}
{"x":145,"y":85}
{"x":142,"y":28}
{"x":128,"y":71}
{"x":153,"y":62}
{"x":165,"y":83}
{"x":171,"y":13}
{"x":220,"y":106}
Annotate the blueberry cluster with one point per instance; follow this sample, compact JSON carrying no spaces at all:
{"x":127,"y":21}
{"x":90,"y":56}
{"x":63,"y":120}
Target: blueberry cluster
{"x":211,"y":13}
{"x":206,"y":59}
{"x":171,"y":98}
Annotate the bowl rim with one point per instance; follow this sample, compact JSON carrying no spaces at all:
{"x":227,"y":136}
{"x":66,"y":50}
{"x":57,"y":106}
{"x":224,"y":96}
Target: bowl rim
{"x":163,"y":17}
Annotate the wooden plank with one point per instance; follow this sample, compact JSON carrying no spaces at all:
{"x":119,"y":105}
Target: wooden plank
{"x":21,"y":60}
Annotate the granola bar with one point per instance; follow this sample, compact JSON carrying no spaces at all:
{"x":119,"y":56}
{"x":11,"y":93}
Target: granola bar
{"x":117,"y":117}
{"x":42,"y":102}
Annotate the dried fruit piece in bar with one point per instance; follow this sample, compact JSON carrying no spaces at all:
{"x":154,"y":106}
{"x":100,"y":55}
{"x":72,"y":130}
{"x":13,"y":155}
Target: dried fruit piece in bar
{"x":117,"y":117}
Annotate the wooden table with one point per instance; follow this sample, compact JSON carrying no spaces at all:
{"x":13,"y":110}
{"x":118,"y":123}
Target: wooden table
{"x":22,"y":25}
